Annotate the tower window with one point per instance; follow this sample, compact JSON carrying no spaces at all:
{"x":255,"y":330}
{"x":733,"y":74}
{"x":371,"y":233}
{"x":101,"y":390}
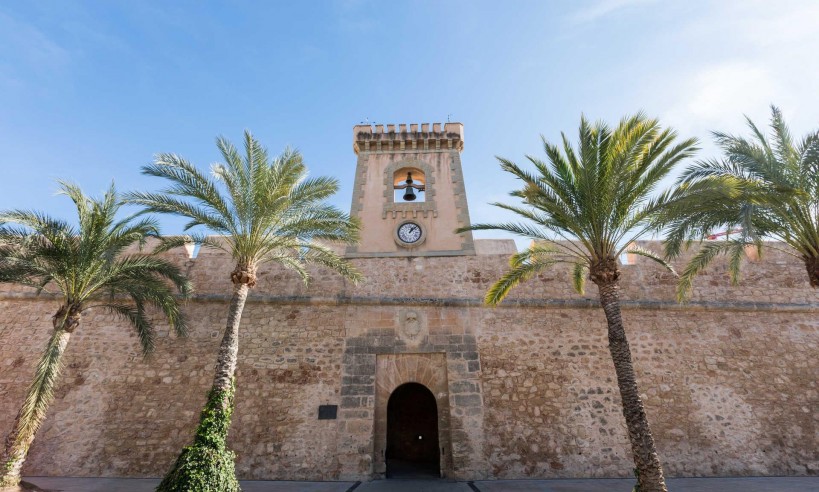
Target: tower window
{"x":409,"y":185}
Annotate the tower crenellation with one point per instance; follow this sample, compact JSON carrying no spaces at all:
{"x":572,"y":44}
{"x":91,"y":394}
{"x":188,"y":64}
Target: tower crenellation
{"x":412,"y":136}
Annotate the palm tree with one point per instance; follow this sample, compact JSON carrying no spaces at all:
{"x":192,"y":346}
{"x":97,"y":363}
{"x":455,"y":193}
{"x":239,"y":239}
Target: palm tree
{"x":268,"y":211}
{"x":764,"y":188}
{"x":88,"y":268}
{"x":585,"y":206}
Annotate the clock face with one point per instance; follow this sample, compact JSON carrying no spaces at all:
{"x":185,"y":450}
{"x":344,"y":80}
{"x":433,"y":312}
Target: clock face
{"x":409,"y":232}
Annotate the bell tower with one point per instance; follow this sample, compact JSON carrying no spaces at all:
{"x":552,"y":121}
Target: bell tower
{"x":409,"y":191}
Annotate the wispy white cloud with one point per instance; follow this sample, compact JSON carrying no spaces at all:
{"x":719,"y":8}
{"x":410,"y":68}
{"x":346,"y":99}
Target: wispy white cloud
{"x":745,"y":55}
{"x":716,"y":95}
{"x":602,"y":8}
{"x":354,"y":16}
{"x":757,"y":24}
{"x":27,"y":44}
{"x":29,"y":58}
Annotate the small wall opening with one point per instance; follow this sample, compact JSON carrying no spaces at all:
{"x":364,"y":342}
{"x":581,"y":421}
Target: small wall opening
{"x":413,"y":450}
{"x":409,"y":185}
{"x":627,"y":258}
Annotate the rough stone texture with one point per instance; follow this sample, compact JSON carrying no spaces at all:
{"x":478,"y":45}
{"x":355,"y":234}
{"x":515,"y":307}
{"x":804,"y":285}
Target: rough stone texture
{"x":724,"y":393}
{"x":729,"y":380}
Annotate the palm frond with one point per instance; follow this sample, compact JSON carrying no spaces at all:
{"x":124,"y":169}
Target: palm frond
{"x":593,"y":198}
{"x":324,"y":256}
{"x":647,"y":253}
{"x":697,"y":264}
{"x":41,"y":391}
{"x":763,"y":187}
{"x":168,"y":243}
{"x":135,"y":315}
{"x":514,"y":276}
{"x":166,"y":204}
{"x":267,"y":208}
{"x":87,"y":262}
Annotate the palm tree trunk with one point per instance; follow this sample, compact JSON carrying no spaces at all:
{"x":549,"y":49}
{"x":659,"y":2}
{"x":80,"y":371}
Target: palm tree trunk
{"x":649,"y":471}
{"x":207,"y":465}
{"x":229,"y":349}
{"x":812,"y":266}
{"x":34,"y":408}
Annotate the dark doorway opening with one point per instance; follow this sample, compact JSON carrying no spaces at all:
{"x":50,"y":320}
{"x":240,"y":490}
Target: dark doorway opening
{"x":412,"y":433}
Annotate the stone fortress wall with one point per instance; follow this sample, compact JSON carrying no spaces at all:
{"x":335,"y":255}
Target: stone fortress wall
{"x":526,"y":389}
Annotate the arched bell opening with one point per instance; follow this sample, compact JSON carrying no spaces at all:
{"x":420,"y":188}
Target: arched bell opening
{"x":409,"y":185}
{"x":413,"y":449}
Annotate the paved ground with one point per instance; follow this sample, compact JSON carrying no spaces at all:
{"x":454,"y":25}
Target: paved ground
{"x":766,"y":484}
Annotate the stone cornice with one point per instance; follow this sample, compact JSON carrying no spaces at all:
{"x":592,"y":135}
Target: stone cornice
{"x":584,"y":303}
{"x":408,"y":138}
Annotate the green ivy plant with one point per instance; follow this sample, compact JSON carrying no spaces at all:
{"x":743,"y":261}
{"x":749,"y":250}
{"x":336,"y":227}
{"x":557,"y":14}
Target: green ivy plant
{"x":207,"y":465}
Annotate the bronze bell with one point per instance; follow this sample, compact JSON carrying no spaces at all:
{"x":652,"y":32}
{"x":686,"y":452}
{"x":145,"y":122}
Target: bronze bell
{"x":409,"y":195}
{"x":409,"y":188}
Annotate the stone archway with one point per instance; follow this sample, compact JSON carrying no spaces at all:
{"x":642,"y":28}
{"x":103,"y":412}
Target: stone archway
{"x":412,"y":433}
{"x":428,"y":370}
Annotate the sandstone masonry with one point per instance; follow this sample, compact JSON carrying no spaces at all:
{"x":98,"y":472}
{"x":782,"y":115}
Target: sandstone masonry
{"x":526,"y":389}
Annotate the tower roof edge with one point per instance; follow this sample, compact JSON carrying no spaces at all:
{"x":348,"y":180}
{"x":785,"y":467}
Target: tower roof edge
{"x":391,"y":137}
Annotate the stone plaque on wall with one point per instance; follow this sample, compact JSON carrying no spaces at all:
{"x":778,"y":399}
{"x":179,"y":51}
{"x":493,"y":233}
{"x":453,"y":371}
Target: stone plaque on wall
{"x":412,"y":327}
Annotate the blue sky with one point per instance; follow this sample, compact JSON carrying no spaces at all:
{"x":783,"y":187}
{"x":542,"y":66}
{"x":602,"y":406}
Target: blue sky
{"x":89,"y":91}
